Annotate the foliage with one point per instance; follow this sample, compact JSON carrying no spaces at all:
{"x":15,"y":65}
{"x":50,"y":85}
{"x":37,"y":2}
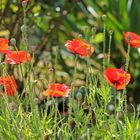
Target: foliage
{"x":91,"y":112}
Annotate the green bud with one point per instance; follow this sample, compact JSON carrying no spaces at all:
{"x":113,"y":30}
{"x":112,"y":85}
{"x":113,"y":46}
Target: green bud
{"x":24,"y":3}
{"x":79,"y":96}
{"x":111,"y":32}
{"x":13,"y":41}
{"x":104,"y":17}
{"x":23,"y":28}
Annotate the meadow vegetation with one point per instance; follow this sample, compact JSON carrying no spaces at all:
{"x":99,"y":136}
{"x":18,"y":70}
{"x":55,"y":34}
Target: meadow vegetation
{"x":69,"y":70}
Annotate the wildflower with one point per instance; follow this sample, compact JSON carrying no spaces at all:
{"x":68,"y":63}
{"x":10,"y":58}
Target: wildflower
{"x":79,"y":47}
{"x":16,"y":57}
{"x":134,"y":39}
{"x":57,"y":90}
{"x":117,"y":78}
{"x":3,"y":45}
{"x":8,"y":84}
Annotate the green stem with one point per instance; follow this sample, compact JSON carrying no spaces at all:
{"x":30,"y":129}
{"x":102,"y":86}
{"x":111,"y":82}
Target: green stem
{"x":115,"y":111}
{"x":109,"y":49}
{"x":25,"y":32}
{"x":55,"y":125}
{"x":75,"y":69}
{"x":104,"y":42}
{"x":88,"y":68}
{"x":55,"y":65}
{"x":72,"y":91}
{"x":125,"y":91}
{"x":126,"y":70}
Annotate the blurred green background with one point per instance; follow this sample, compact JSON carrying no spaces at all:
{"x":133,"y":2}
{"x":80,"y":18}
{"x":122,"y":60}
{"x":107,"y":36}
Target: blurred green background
{"x":52,"y":22}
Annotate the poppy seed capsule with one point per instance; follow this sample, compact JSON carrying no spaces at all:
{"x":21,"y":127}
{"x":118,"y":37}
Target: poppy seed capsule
{"x":13,"y":41}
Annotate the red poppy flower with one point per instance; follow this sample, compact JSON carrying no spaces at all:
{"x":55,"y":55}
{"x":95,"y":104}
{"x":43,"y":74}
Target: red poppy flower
{"x":57,"y":90}
{"x":16,"y":57}
{"x":9,"y":85}
{"x":3,"y":45}
{"x":117,"y":78}
{"x":79,"y":47}
{"x":134,"y":39}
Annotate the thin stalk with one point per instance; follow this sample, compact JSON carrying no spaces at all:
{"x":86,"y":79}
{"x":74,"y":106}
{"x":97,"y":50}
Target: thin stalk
{"x":115,"y":107}
{"x":126,"y":70}
{"x":115,"y":92}
{"x":75,"y":68}
{"x":109,"y":49}
{"x":25,"y":29}
{"x":124,"y":91}
{"x":55,"y":125}
{"x":88,"y":68}
{"x":72,"y":91}
{"x":55,"y":65}
{"x":104,"y":42}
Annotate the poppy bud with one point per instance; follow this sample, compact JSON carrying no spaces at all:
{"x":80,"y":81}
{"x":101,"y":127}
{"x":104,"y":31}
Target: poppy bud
{"x":24,"y":3}
{"x":13,"y":41}
{"x":23,"y":28}
{"x":104,"y":17}
{"x":79,"y":96}
{"x":111,"y":107}
{"x":111,"y":32}
{"x":80,"y":36}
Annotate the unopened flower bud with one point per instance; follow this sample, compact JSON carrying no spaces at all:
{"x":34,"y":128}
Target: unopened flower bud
{"x":80,"y":36}
{"x":111,"y":32}
{"x":94,"y":29}
{"x":104,"y":17}
{"x":23,"y":28}
{"x":24,"y":3}
{"x":111,"y":107}
{"x":79,"y":96}
{"x":13,"y":41}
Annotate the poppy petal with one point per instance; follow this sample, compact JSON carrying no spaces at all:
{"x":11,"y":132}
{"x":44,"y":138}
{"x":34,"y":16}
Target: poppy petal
{"x":16,"y":57}
{"x":3,"y":45}
{"x":117,"y":78}
{"x":57,"y":90}
{"x":79,"y":47}
{"x":134,"y":39}
{"x":8,"y":84}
